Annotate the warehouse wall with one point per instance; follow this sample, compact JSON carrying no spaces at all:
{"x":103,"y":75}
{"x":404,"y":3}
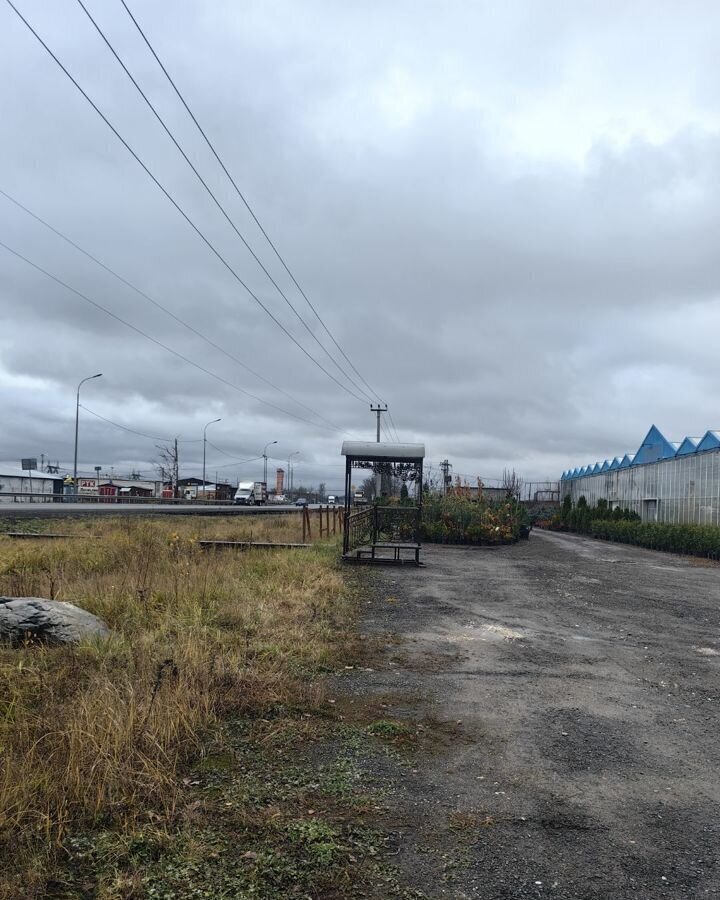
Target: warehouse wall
{"x":682,"y":490}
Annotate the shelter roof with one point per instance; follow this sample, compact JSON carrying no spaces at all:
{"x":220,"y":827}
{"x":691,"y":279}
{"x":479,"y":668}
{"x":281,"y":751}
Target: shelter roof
{"x":382,"y":450}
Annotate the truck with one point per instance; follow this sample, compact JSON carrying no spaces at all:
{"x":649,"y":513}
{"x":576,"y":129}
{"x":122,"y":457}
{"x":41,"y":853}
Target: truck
{"x":359,"y":498}
{"x":251,"y":493}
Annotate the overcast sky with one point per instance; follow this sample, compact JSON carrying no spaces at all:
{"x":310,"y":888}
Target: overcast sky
{"x":506,"y":214}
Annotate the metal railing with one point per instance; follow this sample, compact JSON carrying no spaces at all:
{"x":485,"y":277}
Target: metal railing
{"x":382,"y":524}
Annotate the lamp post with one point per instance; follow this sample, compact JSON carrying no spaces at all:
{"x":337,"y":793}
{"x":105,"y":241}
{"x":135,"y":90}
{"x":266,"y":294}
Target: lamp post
{"x":204,"y":449}
{"x":77,"y":425}
{"x":290,"y":478}
{"x":269,"y":444}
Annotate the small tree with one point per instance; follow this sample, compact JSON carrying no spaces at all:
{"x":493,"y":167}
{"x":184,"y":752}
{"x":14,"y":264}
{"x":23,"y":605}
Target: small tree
{"x":167,"y":465}
{"x":368,"y":488}
{"x":566,"y":509}
{"x":512,"y":483}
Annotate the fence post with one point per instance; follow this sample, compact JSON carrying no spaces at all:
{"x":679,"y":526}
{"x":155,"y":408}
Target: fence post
{"x":327,"y":521}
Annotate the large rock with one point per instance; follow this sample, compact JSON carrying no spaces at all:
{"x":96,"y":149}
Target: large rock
{"x":49,"y":621}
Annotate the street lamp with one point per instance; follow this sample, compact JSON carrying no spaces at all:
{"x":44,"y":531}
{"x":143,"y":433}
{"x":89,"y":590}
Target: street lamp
{"x":290,"y":478}
{"x":77,"y":424}
{"x":269,"y":444}
{"x":204,"y":449}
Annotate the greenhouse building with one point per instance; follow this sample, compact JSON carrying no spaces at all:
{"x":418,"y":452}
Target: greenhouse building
{"x":662,"y":482}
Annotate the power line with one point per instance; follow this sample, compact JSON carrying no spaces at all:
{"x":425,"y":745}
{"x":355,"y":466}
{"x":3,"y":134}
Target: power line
{"x":151,"y":437}
{"x":174,"y":202}
{"x":242,"y":197}
{"x":397,"y":436}
{"x":148,"y":337}
{"x":160,"y":306}
{"x":211,"y":193}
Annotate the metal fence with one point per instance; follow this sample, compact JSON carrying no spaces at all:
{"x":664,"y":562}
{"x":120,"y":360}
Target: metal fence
{"x":383,"y":524}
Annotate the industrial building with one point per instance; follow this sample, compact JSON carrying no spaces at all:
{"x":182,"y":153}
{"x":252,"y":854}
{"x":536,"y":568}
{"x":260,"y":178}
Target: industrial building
{"x":16,"y":484}
{"x":664,"y":481}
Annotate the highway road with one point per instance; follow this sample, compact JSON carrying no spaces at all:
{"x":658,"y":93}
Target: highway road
{"x":15,"y":511}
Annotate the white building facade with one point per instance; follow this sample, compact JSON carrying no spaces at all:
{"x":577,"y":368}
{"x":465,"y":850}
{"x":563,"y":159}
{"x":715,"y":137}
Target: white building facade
{"x":18,"y":481}
{"x":678,"y":483}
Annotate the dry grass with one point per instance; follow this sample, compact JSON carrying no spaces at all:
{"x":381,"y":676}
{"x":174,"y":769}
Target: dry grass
{"x":99,"y":734}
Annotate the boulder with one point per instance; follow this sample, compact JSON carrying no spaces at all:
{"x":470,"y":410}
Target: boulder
{"x":49,"y":621}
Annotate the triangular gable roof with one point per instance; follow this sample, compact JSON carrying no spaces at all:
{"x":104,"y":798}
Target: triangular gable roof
{"x":689,"y":445}
{"x":655,"y":446}
{"x":576,"y":473}
{"x":710,"y":441}
{"x":615,"y":464}
{"x":626,"y":461}
{"x":605,"y":466}
{"x":596,"y":469}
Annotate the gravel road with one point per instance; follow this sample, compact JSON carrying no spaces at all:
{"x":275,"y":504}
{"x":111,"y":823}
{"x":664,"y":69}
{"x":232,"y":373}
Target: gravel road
{"x":569,"y":692}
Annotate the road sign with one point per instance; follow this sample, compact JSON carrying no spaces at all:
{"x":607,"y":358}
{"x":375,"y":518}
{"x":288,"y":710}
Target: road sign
{"x":29,"y":464}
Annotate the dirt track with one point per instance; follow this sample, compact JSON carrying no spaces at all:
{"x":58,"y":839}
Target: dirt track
{"x":574,"y":688}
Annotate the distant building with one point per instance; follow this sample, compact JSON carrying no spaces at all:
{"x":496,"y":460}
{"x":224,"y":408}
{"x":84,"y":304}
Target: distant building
{"x":18,"y":481}
{"x":664,"y":481}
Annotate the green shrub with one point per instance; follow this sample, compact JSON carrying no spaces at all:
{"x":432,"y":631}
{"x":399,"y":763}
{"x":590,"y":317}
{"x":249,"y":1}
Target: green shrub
{"x":694,"y":540}
{"x":462,"y":520}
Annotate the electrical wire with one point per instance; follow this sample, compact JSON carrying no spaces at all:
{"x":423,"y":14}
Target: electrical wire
{"x":242,"y":196}
{"x":174,"y":202}
{"x":212,"y":195}
{"x":153,"y":340}
{"x":151,"y":437}
{"x":397,"y":436}
{"x":160,"y":306}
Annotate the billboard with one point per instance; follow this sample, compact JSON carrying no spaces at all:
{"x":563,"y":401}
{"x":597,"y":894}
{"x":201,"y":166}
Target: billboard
{"x":87,"y":486}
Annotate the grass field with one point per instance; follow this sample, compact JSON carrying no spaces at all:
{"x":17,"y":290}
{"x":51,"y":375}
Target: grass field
{"x":116,"y":756}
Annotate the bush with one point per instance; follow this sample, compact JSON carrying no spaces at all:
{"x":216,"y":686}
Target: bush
{"x":460,"y":520}
{"x":694,"y":540}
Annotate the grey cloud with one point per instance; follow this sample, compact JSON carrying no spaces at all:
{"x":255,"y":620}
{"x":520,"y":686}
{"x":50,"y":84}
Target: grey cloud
{"x":515,"y":306}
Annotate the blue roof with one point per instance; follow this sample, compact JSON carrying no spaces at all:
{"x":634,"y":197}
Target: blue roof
{"x":689,"y":445}
{"x":710,"y":441}
{"x":655,"y":447}
{"x":615,"y":464}
{"x":605,"y":466}
{"x":626,"y":461}
{"x":596,"y":469}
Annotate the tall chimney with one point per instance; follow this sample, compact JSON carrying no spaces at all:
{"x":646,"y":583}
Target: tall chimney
{"x":279,"y":481}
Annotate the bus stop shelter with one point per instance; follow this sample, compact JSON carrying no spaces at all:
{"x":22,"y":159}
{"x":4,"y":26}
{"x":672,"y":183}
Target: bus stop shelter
{"x":387,"y":531}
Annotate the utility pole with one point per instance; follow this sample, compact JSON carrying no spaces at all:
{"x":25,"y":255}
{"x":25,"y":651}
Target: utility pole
{"x":176,"y":473}
{"x":378,"y":409}
{"x":445,"y":468}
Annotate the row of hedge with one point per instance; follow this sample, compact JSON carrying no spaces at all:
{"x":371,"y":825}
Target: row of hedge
{"x":624,"y":526}
{"x":694,"y":540}
{"x":461,"y":520}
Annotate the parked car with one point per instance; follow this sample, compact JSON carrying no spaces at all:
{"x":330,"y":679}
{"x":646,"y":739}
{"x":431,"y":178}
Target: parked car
{"x":301,"y":501}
